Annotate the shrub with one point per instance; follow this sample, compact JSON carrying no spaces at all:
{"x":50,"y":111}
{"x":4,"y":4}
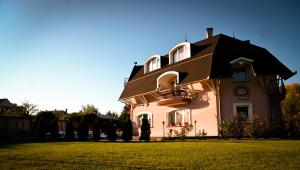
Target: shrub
{"x":233,"y":128}
{"x":294,"y":126}
{"x":111,"y":131}
{"x":145,"y":130}
{"x":96,"y":129}
{"x":41,"y":130}
{"x":184,"y":130}
{"x":226,"y":129}
{"x":237,"y":127}
{"x":83,"y":130}
{"x":127,"y":130}
{"x":259,"y":128}
{"x":248,"y":129}
{"x":276,"y":130}
{"x":44,"y":124}
{"x":54,"y":129}
{"x":69,"y":131}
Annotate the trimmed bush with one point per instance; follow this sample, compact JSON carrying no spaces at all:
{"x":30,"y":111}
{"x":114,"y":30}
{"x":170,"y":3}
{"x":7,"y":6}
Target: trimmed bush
{"x":96,"y":129}
{"x":83,"y":130}
{"x":111,"y":131}
{"x":145,"y":130}
{"x":127,"y":130}
{"x":69,"y":131}
{"x":54,"y":129}
{"x":41,"y":130}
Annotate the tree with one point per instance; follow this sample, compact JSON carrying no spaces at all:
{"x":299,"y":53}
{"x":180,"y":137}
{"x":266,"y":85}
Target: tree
{"x":30,"y":107}
{"x":41,"y":130}
{"x":291,"y":109}
{"x":111,"y":131}
{"x":96,"y":129}
{"x":127,"y":130}
{"x":16,"y":111}
{"x":69,"y":130}
{"x":44,"y":122}
{"x":83,"y":130}
{"x":145,"y":129}
{"x":54,"y":129}
{"x":125,"y":113}
{"x":291,"y":104}
{"x":112,"y":114}
{"x":88,"y":109}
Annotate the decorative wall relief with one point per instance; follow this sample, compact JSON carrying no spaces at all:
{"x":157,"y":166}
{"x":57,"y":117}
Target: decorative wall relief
{"x":242,"y":92}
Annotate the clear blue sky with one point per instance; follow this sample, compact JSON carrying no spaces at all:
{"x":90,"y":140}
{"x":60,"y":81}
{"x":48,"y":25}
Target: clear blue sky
{"x":64,"y":54}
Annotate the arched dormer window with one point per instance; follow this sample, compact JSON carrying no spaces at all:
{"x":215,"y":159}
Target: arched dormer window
{"x":180,"y":52}
{"x":167,"y":80}
{"x":152,"y":63}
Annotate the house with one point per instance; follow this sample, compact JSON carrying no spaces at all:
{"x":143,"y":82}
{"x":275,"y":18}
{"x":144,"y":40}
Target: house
{"x":12,"y":127}
{"x":5,"y":106}
{"x":14,"y":123}
{"x":205,"y":83}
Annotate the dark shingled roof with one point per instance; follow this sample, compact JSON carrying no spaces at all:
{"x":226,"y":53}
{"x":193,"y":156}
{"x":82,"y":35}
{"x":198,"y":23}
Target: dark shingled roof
{"x":210,"y":58}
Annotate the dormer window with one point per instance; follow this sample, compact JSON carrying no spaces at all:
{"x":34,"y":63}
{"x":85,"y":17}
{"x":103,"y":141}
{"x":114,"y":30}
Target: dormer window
{"x":180,"y":52}
{"x":152,"y":63}
{"x":167,"y":80}
{"x":240,"y":75}
{"x":239,"y":67}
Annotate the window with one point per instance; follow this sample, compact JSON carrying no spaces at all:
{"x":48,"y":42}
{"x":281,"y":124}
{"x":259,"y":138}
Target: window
{"x":152,"y":63}
{"x":179,"y":52}
{"x":243,"y":111}
{"x":178,"y":117}
{"x":240,"y":75}
{"x":147,"y":116}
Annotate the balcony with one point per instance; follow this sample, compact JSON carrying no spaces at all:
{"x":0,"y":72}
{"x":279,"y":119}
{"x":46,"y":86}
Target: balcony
{"x":277,"y":91}
{"x":173,"y":97}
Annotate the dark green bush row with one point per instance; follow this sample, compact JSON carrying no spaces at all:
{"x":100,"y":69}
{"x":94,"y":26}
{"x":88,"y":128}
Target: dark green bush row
{"x":257,"y":128}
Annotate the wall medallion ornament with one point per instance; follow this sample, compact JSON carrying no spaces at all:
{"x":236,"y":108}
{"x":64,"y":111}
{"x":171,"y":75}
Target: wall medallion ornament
{"x":242,"y":92}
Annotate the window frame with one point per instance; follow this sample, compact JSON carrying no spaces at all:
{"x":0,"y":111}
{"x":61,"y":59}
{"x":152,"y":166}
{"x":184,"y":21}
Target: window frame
{"x":183,"y":113}
{"x":240,"y":71}
{"x":150,"y":118}
{"x":243,"y":104}
{"x":175,"y":51}
{"x":150,"y":66}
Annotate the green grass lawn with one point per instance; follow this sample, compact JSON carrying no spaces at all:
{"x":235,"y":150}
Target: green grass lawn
{"x":210,"y":154}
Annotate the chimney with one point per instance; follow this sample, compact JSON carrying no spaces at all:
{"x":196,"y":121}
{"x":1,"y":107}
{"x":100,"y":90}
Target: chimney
{"x":209,"y":32}
{"x":66,"y":110}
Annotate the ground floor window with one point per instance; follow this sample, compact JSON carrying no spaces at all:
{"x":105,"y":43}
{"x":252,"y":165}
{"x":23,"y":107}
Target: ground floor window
{"x":147,"y":116}
{"x":178,"y":117}
{"x":243,"y":111}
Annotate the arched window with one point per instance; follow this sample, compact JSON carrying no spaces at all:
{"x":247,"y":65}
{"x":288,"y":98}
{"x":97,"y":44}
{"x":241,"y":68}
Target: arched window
{"x":167,"y":80}
{"x":179,"y":52}
{"x":152,"y":63}
{"x":147,"y":115}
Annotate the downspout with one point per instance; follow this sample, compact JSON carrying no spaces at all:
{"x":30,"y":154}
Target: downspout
{"x":218,"y":106}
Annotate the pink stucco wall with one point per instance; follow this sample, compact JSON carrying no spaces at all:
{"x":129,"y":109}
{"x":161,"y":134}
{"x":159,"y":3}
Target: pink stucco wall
{"x":258,"y":97}
{"x":204,"y":112}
